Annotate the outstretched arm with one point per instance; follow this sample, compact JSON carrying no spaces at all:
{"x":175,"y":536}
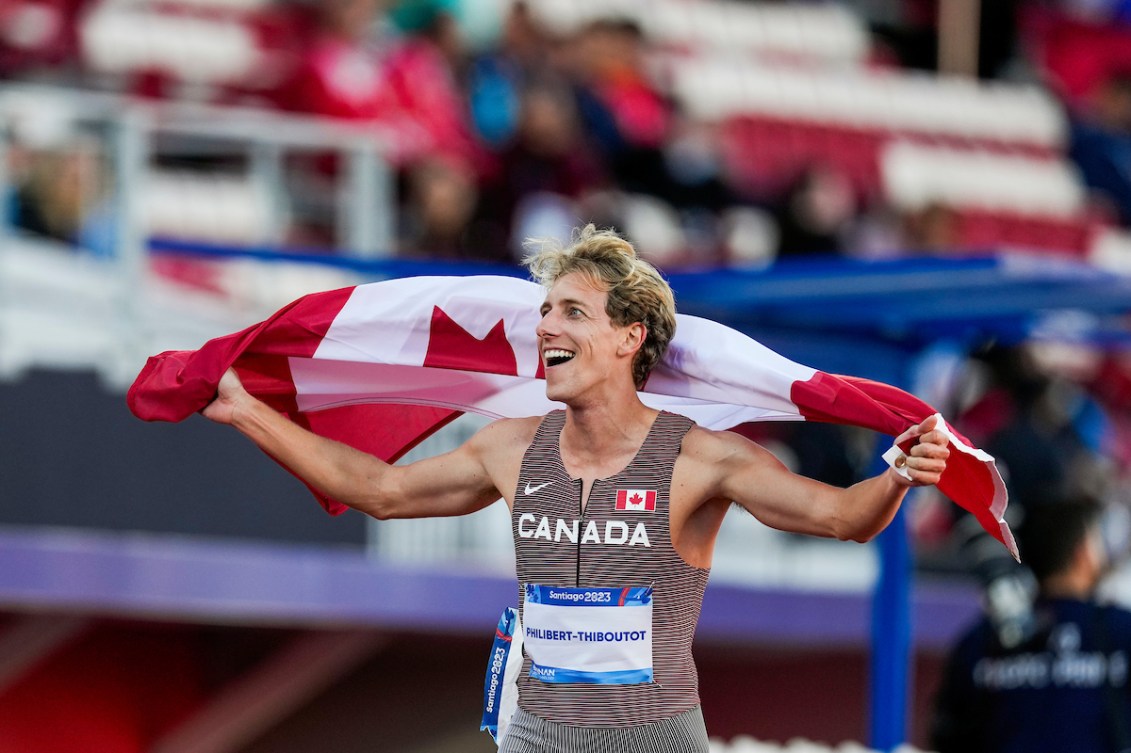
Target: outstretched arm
{"x":455,"y":483}
{"x":752,"y":477}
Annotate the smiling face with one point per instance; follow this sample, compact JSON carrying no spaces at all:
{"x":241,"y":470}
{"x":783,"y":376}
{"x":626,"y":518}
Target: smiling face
{"x":585,"y":354}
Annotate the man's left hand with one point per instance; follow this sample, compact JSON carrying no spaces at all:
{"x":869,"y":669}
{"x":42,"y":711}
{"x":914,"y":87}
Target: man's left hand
{"x":925,"y":461}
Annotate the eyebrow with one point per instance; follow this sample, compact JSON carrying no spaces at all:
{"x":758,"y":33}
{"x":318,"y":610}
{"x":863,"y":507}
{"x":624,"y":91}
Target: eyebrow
{"x":565,"y":302}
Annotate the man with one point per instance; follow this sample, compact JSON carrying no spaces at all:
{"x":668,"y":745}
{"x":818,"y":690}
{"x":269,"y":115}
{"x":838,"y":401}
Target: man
{"x":1066,"y":688}
{"x":615,"y":506}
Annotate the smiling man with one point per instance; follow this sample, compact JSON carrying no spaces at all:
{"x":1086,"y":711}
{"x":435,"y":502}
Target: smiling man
{"x":615,"y":507}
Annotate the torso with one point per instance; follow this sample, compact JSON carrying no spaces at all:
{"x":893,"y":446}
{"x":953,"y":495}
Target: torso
{"x":694,"y":516}
{"x":561,"y":542}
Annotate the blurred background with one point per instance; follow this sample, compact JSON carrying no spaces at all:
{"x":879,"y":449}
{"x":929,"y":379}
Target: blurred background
{"x":935,"y":193}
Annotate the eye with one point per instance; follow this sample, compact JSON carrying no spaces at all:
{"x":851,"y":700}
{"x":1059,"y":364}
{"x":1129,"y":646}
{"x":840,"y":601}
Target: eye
{"x":574,"y":311}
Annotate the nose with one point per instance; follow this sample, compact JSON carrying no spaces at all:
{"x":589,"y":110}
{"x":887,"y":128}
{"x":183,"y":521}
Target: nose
{"x":547,"y":325}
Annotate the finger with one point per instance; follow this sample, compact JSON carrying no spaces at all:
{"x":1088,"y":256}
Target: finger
{"x":933,"y":435}
{"x":927,"y":431}
{"x":908,"y":435}
{"x":926,"y":465}
{"x":930,"y":450}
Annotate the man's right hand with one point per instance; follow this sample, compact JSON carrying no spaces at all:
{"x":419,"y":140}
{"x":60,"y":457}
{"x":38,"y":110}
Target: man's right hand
{"x":230,"y":394}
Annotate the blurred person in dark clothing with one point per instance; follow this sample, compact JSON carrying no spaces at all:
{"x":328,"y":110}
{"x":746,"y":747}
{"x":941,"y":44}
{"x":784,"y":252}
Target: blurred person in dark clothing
{"x":496,"y":79}
{"x":816,"y":213}
{"x":911,"y":32}
{"x":441,"y":218}
{"x":547,"y":162}
{"x":1050,"y":440}
{"x":1064,"y":689}
{"x":1044,"y":429}
{"x":621,"y":110}
{"x":1101,"y":143}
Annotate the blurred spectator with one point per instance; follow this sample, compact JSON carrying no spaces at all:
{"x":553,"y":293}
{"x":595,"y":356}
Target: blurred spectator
{"x":816,"y":214}
{"x":911,"y":32}
{"x":423,"y":71}
{"x":693,"y":166}
{"x":1051,"y":442}
{"x":1077,"y":44}
{"x":340,"y":71}
{"x":933,"y":229}
{"x":350,"y":69}
{"x":1101,"y":142}
{"x":623,"y":114}
{"x":1066,"y":688}
{"x":441,"y":219}
{"x":496,"y":79}
{"x":545,"y":168}
{"x":63,"y":195}
{"x":1050,"y":435}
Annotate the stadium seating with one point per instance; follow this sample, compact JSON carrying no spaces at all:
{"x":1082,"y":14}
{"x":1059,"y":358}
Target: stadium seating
{"x":994,"y":153}
{"x":203,"y":50}
{"x":825,"y":31}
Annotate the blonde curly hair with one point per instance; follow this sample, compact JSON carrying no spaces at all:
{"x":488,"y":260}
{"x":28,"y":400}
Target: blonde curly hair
{"x":635,"y":290}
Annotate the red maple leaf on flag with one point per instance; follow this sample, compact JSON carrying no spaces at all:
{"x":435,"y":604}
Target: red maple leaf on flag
{"x":450,"y":346}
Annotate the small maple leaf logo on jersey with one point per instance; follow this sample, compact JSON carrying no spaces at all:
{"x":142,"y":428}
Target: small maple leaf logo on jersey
{"x":640,"y":500}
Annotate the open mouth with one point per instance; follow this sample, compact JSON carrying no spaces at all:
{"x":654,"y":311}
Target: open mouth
{"x":556,"y":356}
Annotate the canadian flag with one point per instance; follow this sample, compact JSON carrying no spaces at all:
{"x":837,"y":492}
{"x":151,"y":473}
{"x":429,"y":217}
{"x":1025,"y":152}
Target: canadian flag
{"x":384,"y":365}
{"x":642,"y":500}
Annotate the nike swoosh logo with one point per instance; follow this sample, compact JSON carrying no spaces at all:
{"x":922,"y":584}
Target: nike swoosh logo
{"x":531,"y":489}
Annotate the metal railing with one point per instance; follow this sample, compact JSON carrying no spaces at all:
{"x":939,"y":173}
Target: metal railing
{"x":133,"y":139}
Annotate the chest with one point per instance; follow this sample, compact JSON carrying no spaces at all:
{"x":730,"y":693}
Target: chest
{"x":621,"y":535}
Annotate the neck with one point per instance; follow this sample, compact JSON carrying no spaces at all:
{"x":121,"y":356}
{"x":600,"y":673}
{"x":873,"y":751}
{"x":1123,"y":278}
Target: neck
{"x":601,"y":430}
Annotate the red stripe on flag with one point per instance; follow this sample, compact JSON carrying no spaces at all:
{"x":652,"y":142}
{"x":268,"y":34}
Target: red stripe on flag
{"x":968,"y":480}
{"x":177,"y":383}
{"x":859,"y":402}
{"x":269,"y":379}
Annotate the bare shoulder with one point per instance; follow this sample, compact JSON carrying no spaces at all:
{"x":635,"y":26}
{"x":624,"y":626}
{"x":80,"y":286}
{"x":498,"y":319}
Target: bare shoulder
{"x":710,"y":446}
{"x":715,"y":458}
{"x":506,"y":435}
{"x":701,"y":493}
{"x":500,"y":447}
{"x":702,"y":462}
{"x":723,"y":465}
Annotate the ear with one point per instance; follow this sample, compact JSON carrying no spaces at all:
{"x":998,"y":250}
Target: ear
{"x":1092,"y":551}
{"x":634,"y":336}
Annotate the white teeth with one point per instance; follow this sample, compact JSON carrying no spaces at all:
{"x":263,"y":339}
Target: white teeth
{"x":556,"y":353}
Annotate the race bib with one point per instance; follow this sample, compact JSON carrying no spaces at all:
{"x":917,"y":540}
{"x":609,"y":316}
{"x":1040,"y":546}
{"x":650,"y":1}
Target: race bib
{"x":598,"y":636}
